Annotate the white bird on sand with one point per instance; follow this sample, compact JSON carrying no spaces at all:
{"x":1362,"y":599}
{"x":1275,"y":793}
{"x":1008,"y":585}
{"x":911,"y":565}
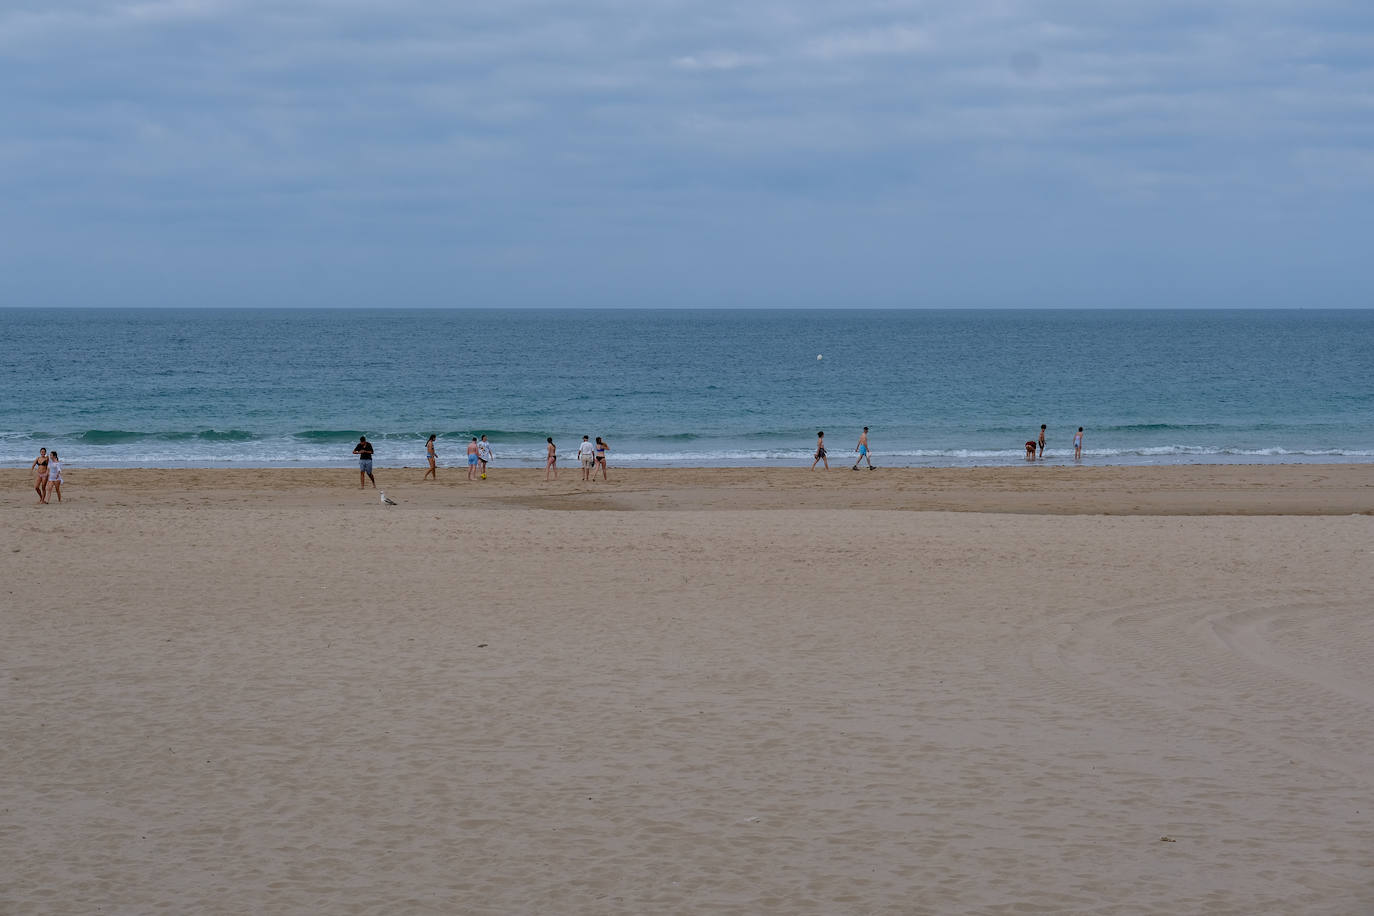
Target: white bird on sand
{"x":385,"y":501}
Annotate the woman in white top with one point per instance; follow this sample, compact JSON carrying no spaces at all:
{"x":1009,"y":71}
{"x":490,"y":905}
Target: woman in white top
{"x":55,"y":476}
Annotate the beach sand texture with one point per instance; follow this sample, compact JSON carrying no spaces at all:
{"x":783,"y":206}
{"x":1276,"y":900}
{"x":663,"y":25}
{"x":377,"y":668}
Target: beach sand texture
{"x":690,"y":691}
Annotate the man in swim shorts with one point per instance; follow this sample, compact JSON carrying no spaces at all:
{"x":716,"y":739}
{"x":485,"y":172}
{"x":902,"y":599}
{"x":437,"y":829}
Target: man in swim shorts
{"x":364,"y":452}
{"x":862,"y":449}
{"x":472,"y":459}
{"x":1041,"y":442}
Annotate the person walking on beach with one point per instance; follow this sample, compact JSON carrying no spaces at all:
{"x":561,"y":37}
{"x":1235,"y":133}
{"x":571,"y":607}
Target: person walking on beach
{"x":40,"y":475}
{"x":820,"y":451}
{"x":862,"y":449}
{"x":364,"y":452}
{"x":551,"y":461}
{"x":472,"y":459}
{"x":433,"y":457}
{"x":1078,"y":445}
{"x":586,"y":456}
{"x":55,"y":476}
{"x":483,"y":456}
{"x":599,"y":453}
{"x":1041,"y":440}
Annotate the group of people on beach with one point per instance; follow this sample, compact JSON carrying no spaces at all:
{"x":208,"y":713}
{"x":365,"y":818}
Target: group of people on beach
{"x":1035,"y":448}
{"x":47,"y":476}
{"x":590,"y":455}
{"x":861,"y":449}
{"x":479,"y":454}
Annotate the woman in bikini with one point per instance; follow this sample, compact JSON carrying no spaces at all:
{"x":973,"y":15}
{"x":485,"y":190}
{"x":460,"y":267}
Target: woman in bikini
{"x":551,"y":461}
{"x":433,"y":458}
{"x":600,"y":458}
{"x":40,"y":475}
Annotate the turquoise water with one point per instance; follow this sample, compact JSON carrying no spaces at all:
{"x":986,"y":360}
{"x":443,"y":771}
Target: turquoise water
{"x":203,"y":388}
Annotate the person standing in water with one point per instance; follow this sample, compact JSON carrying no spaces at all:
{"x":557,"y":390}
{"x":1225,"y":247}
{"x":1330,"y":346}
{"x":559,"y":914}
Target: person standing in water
{"x":433,"y":457}
{"x":1078,"y":445}
{"x":820,"y":451}
{"x":862,"y":449}
{"x":1041,"y":440}
{"x":551,"y":461}
{"x":364,"y":452}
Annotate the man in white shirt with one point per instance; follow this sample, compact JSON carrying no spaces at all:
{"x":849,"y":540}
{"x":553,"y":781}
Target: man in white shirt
{"x":586,"y":452}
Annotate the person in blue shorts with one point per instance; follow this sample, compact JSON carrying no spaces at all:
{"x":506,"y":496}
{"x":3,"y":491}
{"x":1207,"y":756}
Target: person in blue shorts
{"x":364,"y":452}
{"x":472,"y":459}
{"x":862,"y":449}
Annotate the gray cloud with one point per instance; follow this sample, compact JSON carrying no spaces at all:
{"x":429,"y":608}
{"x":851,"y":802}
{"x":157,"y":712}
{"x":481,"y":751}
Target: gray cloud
{"x":685,"y":153}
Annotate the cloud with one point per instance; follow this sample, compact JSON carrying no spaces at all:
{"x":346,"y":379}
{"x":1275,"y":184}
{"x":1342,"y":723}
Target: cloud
{"x":413,"y":130}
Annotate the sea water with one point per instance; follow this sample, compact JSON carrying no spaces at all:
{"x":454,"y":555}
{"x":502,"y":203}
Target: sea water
{"x":746,"y":388}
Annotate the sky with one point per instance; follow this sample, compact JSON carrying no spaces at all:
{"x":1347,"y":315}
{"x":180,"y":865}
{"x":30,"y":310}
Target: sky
{"x":648,"y":153}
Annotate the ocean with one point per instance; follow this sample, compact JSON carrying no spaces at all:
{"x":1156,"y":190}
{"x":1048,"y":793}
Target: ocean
{"x":693,"y":388}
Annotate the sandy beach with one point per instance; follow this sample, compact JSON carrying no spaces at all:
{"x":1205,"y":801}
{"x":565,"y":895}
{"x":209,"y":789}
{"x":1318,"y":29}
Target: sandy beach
{"x":1031,"y":689}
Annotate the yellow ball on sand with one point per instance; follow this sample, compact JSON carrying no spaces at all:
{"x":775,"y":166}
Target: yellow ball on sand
{"x":484,"y":476}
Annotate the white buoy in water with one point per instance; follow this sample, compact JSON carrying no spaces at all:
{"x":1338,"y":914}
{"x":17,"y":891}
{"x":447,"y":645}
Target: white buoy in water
{"x":818,"y":356}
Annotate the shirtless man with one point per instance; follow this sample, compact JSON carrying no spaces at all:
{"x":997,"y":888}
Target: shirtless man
{"x":1041,"y":440}
{"x":862,"y":449}
{"x":472,"y":459}
{"x":820,"y":451}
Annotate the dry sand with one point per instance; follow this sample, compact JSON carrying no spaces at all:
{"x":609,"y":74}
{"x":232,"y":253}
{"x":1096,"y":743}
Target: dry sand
{"x":985,"y":691}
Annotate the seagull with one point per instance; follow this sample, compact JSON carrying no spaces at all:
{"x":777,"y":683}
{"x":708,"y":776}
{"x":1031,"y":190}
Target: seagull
{"x":387,"y":502}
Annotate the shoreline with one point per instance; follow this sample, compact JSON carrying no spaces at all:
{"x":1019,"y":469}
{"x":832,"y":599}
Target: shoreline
{"x":1033,"y":489}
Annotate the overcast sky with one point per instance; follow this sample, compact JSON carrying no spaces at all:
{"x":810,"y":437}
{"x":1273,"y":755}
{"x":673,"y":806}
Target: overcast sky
{"x":642,"y":153}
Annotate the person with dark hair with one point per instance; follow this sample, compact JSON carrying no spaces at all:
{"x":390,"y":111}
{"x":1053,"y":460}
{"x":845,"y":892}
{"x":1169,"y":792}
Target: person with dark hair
{"x":364,"y":452}
{"x":820,"y":451}
{"x":599,"y":453}
{"x":472,"y":459}
{"x":54,"y":476}
{"x":40,"y":475}
{"x":433,"y":457}
{"x":551,"y":461}
{"x":862,"y":449}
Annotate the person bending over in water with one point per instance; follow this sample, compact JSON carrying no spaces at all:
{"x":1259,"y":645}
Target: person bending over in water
{"x":820,"y":451}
